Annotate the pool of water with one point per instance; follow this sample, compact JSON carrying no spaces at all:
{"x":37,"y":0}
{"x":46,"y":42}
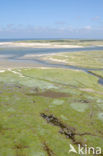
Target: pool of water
{"x":100,"y":81}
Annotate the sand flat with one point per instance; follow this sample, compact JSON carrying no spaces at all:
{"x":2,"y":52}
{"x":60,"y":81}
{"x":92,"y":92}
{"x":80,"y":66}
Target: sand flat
{"x":38,"y":45}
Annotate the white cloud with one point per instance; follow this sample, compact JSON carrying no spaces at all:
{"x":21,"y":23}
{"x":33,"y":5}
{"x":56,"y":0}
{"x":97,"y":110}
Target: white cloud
{"x":88,"y":27}
{"x":46,"y":31}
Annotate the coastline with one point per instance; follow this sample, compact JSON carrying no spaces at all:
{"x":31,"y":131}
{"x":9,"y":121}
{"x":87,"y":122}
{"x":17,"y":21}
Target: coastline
{"x":37,"y":45}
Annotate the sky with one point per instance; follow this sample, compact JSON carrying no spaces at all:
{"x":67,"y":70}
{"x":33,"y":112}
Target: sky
{"x":51,"y":19}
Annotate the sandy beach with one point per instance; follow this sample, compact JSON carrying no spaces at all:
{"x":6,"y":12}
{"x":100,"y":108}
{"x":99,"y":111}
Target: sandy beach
{"x":37,"y":45}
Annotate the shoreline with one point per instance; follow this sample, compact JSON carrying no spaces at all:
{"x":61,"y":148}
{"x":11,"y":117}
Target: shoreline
{"x":38,"y":45}
{"x":6,"y":64}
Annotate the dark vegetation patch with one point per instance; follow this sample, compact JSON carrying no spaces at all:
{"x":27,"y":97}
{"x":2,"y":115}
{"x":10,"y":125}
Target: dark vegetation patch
{"x":84,"y":101}
{"x":95,"y":74}
{"x":50,"y":94}
{"x":19,"y":149}
{"x":20,"y":146}
{"x":48,"y":150}
{"x":3,"y":129}
{"x":68,"y":131}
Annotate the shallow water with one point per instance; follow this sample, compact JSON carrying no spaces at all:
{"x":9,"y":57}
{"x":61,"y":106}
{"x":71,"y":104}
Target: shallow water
{"x":100,"y":81}
{"x":18,"y":52}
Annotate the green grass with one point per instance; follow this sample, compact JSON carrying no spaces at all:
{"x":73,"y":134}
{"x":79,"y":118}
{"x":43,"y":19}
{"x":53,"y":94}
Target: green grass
{"x":67,"y":41}
{"x":98,"y":73}
{"x":23,"y":131}
{"x":86,"y":59}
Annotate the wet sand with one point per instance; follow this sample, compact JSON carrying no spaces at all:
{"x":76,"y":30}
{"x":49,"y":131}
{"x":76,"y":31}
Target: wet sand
{"x":6,"y":64}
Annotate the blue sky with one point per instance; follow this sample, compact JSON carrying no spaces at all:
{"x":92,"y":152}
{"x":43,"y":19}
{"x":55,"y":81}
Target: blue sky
{"x":51,"y":19}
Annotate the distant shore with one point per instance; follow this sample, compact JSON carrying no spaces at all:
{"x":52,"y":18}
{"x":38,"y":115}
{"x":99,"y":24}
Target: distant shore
{"x":63,"y":43}
{"x":37,"y":45}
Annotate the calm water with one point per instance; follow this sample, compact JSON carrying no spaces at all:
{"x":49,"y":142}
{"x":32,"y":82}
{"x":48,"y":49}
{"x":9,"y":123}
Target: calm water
{"x":24,"y":39}
{"x":18,"y":52}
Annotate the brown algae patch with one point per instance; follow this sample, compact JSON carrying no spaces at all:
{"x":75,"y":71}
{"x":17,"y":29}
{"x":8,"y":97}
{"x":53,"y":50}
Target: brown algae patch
{"x":50,"y":94}
{"x":80,"y":107}
{"x":48,"y":150}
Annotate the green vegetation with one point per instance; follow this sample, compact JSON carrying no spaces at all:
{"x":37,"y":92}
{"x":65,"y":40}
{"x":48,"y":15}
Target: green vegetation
{"x":67,"y":41}
{"x":87,"y":59}
{"x":28,"y":97}
{"x":98,"y":73}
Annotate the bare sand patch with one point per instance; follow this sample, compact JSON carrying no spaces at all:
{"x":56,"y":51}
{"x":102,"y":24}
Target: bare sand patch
{"x":38,"y":45}
{"x":87,"y":89}
{"x":90,"y":90}
{"x":2,"y":71}
{"x":57,"y":60}
{"x":16,"y":72}
{"x":6,"y":64}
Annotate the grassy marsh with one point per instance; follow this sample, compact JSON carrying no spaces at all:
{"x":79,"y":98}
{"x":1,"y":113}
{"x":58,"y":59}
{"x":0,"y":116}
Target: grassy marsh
{"x":86,"y":59}
{"x":24,"y":132}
